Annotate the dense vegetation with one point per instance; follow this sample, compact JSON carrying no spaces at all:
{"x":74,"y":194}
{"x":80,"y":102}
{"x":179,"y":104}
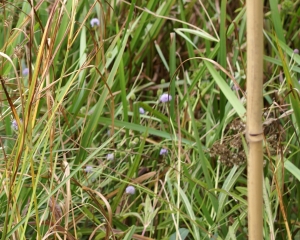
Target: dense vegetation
{"x":126,"y":120}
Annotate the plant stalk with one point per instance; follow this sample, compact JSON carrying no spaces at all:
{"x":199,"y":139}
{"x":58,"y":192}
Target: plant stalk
{"x":254,"y":117}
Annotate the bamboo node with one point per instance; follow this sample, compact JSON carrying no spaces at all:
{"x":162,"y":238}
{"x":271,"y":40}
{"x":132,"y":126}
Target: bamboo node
{"x":254,"y":137}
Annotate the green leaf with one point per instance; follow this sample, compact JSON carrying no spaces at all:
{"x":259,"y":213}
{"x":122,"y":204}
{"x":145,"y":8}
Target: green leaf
{"x":190,"y":212}
{"x":183,"y":232}
{"x":229,"y":94}
{"x":292,"y":169}
{"x":130,"y":233}
{"x":199,"y":33}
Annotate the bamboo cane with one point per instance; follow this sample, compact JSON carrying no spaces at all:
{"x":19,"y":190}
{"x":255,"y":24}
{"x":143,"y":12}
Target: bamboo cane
{"x":254,"y":117}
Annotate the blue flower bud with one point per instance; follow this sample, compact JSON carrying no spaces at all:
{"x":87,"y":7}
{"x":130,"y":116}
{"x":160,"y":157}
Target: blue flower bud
{"x":165,"y":98}
{"x":141,"y":110}
{"x":163,"y":151}
{"x":94,"y":22}
{"x":130,"y":190}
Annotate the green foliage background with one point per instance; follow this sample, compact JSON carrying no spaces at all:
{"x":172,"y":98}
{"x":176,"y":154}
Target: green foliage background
{"x":79,"y":105}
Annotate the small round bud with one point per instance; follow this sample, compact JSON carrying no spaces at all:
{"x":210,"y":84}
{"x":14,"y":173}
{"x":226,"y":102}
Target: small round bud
{"x":149,"y":93}
{"x":136,"y":140}
{"x":92,"y":70}
{"x":133,"y":97}
{"x":287,"y":6}
{"x":83,"y":110}
{"x":131,"y":144}
{"x":109,"y":55}
{"x":159,"y":92}
{"x":122,"y":154}
{"x":119,"y":145}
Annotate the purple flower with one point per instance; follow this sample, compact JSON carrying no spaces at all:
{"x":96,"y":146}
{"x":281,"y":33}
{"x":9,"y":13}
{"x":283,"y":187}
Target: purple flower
{"x":95,"y":22}
{"x":110,"y":156}
{"x":14,"y":125}
{"x":235,"y":87}
{"x":141,"y":110}
{"x":165,"y":98}
{"x":163,"y":151}
{"x":25,"y":71}
{"x":88,"y":169}
{"x":130,"y":190}
{"x":296,"y":51}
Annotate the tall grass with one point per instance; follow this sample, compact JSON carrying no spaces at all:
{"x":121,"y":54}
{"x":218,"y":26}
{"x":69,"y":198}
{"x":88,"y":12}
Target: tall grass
{"x":74,"y":136}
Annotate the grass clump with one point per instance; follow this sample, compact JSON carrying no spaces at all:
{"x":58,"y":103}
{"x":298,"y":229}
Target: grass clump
{"x":114,"y":115}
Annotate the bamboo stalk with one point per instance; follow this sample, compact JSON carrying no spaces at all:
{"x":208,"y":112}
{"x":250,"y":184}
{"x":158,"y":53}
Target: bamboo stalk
{"x":254,"y":117}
